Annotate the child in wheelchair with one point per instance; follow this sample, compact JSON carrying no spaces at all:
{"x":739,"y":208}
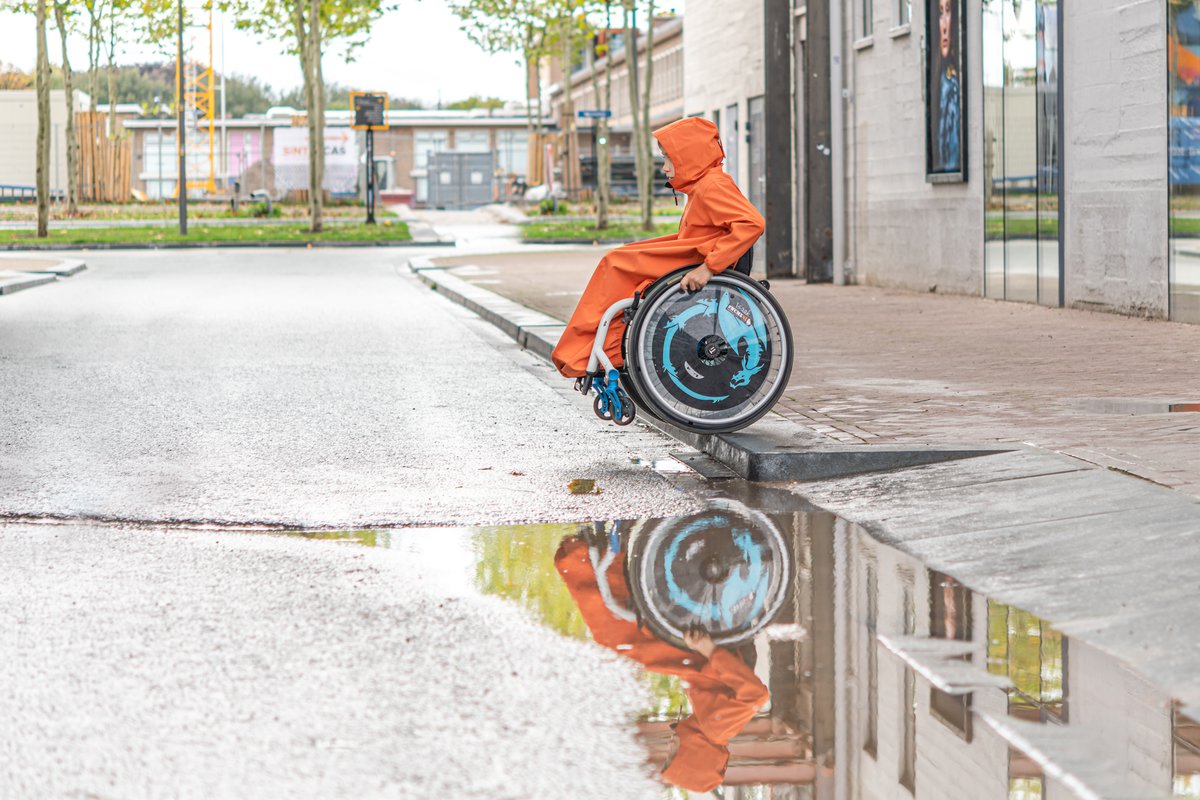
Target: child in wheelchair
{"x":718,"y":225}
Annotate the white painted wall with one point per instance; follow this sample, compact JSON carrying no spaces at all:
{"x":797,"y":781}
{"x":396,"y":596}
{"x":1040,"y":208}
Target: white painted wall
{"x":1116,"y":191}
{"x":18,"y":137}
{"x":901,"y":230}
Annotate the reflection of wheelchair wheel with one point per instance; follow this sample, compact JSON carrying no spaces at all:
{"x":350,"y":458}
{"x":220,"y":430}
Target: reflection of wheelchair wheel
{"x":714,"y":361}
{"x":727,"y":570}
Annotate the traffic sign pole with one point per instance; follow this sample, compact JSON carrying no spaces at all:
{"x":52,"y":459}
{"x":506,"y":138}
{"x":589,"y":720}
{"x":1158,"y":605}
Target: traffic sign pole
{"x":370,"y":115}
{"x":370,"y":176}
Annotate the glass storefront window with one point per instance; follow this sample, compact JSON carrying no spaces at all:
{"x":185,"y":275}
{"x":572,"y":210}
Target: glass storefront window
{"x":1183,"y":75}
{"x":1021,"y":159}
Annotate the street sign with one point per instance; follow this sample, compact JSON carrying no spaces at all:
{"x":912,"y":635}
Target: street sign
{"x":370,"y":111}
{"x":594,"y":113}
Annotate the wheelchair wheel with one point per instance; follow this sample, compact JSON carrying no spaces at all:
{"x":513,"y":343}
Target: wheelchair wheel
{"x":727,"y":570}
{"x":714,"y":361}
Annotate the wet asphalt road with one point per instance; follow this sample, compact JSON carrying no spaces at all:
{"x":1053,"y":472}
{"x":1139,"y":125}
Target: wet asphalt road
{"x":323,"y":388}
{"x":292,"y":387}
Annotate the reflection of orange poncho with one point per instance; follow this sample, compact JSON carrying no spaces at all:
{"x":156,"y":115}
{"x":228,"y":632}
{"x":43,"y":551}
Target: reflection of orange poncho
{"x":724,"y":693}
{"x":717,"y":227}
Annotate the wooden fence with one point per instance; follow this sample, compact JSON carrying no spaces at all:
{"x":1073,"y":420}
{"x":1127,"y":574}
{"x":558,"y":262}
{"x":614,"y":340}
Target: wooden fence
{"x":105,"y":161}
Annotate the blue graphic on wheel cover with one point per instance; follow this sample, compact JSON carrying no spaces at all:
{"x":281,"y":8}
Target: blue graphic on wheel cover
{"x":752,"y":332}
{"x":751,"y":579}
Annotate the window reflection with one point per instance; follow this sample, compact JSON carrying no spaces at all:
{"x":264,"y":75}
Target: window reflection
{"x":1021,"y":159}
{"x":1184,"y":82}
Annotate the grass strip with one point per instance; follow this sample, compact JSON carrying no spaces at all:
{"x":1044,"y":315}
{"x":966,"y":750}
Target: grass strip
{"x":385,"y":231}
{"x":579,"y":230}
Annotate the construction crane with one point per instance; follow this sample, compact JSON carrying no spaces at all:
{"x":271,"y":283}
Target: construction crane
{"x":194,"y":74}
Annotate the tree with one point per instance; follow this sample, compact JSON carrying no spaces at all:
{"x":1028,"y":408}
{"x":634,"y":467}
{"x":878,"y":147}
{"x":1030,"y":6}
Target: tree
{"x":306,"y":25}
{"x":43,"y":129}
{"x":60,"y":21}
{"x":603,"y":160}
{"x":639,"y":96}
{"x":475,"y":101}
{"x":516,"y":26}
{"x":13,"y":78}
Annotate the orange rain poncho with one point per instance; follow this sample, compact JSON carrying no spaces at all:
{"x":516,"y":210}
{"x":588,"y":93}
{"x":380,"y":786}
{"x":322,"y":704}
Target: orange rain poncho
{"x":718,"y":226}
{"x":725,"y":694}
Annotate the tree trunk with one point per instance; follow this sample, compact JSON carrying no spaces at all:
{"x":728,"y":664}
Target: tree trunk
{"x":93,"y":54}
{"x":604,"y":161}
{"x":570,"y":141}
{"x":631,"y":67}
{"x":647,"y":152}
{"x":316,"y":117}
{"x":43,"y":129}
{"x":601,"y":138}
{"x":112,"y":72}
{"x":72,"y":141}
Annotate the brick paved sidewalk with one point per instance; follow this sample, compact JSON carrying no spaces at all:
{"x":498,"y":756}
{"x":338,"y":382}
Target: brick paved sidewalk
{"x":884,"y":366}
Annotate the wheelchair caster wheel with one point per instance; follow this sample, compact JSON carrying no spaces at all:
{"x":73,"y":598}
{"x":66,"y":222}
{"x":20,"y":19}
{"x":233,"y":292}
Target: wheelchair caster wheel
{"x":601,"y":409}
{"x":628,"y":412}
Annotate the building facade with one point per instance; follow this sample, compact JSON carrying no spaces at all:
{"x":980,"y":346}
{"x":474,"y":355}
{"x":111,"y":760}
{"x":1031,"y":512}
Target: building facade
{"x":18,"y":138}
{"x":588,"y":91}
{"x":1016,"y":149}
{"x":268,"y":153}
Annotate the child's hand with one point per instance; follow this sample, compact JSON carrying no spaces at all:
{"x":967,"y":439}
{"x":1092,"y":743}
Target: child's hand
{"x":695,"y":280}
{"x":700,"y":641}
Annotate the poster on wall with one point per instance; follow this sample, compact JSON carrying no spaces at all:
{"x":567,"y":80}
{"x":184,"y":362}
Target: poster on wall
{"x":290,"y":157}
{"x":945,"y":95}
{"x":1183,"y":53}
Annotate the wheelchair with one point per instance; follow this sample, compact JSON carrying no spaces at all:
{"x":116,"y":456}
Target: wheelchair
{"x":711,"y":361}
{"x":727,"y":569}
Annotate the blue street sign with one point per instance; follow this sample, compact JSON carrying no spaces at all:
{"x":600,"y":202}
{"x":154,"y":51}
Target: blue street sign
{"x":594,"y":113}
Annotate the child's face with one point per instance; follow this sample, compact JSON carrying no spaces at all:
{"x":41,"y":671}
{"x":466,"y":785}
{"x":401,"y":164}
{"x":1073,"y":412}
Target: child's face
{"x":668,"y":167}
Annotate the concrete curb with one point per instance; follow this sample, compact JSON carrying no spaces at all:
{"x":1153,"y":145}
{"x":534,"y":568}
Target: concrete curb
{"x":66,"y":268}
{"x":773,"y":449}
{"x":442,"y":242}
{"x":11,"y":282}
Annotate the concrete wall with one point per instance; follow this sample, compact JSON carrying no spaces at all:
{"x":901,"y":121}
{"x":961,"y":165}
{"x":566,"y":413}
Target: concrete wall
{"x":1116,"y":190}
{"x":18,"y":137}
{"x":901,"y":230}
{"x":723,"y":57}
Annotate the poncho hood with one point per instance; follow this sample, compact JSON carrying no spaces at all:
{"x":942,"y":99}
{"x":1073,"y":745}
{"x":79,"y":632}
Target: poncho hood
{"x":699,"y":764}
{"x":694,"y":146}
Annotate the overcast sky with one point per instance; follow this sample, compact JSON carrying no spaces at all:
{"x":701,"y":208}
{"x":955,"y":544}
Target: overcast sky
{"x":417,"y":51}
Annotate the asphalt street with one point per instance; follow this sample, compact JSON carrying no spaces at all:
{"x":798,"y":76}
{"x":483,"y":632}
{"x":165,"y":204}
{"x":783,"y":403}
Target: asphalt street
{"x":293,"y":387}
{"x":162,"y":392}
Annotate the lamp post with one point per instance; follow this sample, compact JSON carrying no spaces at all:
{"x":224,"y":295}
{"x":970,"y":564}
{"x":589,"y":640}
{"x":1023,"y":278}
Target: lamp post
{"x":181,"y":185}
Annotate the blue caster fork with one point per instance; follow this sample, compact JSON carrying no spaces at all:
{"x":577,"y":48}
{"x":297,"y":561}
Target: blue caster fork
{"x":611,"y":403}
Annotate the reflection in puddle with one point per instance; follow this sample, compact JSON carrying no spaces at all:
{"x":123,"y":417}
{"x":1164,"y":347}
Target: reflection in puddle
{"x":844,"y":668}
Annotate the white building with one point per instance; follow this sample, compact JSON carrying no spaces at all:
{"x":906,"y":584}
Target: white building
{"x":18,"y":138}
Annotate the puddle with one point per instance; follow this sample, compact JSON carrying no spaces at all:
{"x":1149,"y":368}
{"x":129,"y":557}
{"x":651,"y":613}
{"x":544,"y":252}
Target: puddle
{"x":662,"y":465}
{"x":1138,"y":407}
{"x":845,"y":668}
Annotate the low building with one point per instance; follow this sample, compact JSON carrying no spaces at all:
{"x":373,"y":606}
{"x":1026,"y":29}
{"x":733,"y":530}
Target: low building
{"x":268,"y":152}
{"x":18,"y":138}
